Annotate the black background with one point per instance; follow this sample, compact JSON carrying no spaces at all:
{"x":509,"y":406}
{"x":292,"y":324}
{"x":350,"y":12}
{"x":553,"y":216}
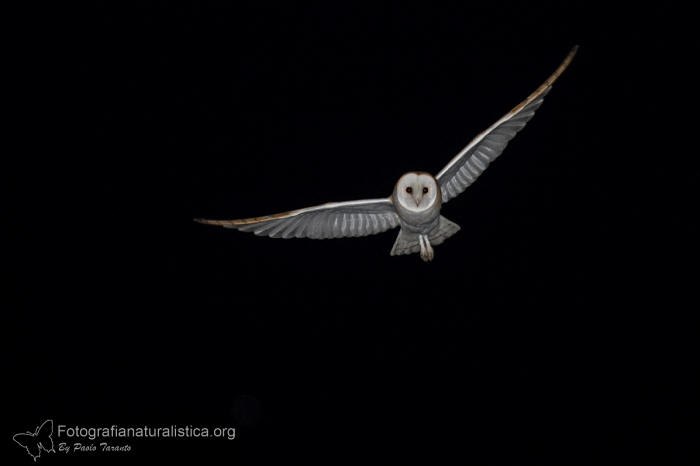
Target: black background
{"x":553,"y":329}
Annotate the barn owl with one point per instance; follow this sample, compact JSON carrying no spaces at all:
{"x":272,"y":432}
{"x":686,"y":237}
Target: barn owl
{"x":417,"y":199}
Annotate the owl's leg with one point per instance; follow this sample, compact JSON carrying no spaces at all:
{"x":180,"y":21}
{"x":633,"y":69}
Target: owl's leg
{"x":426,"y":250}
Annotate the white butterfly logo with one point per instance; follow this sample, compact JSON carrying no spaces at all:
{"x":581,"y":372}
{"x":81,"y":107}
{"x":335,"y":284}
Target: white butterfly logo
{"x":38,"y":440}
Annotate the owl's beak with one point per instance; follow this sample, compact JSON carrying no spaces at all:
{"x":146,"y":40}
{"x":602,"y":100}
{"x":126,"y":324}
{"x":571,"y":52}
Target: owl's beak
{"x":417,"y":199}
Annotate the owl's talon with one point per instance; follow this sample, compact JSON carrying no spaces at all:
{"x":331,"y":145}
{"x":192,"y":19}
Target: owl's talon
{"x":426,"y":250}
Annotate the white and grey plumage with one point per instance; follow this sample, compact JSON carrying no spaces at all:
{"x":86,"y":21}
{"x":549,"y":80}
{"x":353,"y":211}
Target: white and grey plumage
{"x":417,"y":197}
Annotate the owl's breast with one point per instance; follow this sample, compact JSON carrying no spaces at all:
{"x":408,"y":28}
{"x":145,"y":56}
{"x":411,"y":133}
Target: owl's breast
{"x":422,"y":221}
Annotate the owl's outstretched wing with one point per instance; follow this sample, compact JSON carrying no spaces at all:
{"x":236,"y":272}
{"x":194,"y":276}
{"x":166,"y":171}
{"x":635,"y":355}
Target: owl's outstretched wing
{"x":466,"y":166}
{"x":332,"y":220}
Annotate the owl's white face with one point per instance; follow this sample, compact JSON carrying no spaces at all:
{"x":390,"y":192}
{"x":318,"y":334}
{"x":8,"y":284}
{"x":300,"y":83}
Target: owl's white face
{"x":417,"y":192}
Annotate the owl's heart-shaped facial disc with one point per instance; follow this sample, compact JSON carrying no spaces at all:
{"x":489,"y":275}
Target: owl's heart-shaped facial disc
{"x":417,"y":191}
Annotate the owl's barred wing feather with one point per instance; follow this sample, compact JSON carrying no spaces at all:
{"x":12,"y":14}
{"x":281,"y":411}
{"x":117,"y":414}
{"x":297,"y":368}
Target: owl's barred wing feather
{"x":466,"y":166}
{"x":332,"y":220}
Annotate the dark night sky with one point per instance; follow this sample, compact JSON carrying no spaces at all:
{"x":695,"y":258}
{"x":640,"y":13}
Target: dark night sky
{"x":552,"y":329}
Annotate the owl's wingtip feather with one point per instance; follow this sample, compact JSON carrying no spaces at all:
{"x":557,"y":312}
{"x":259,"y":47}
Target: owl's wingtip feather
{"x":206,"y":221}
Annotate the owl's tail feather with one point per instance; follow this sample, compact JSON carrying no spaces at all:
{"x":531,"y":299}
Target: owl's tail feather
{"x":406,"y":243}
{"x":445,"y":229}
{"x":409,"y":243}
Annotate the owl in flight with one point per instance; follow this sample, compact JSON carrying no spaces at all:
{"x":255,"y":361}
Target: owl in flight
{"x":417,"y":198}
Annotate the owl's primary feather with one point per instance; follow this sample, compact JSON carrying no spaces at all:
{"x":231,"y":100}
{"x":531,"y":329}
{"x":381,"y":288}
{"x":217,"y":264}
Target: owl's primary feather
{"x":417,"y":198}
{"x":471,"y":161}
{"x":332,"y":220}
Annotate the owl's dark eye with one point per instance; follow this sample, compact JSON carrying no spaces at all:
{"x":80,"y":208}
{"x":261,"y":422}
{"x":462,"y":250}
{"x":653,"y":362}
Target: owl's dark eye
{"x":425,"y":190}
{"x":409,"y":190}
